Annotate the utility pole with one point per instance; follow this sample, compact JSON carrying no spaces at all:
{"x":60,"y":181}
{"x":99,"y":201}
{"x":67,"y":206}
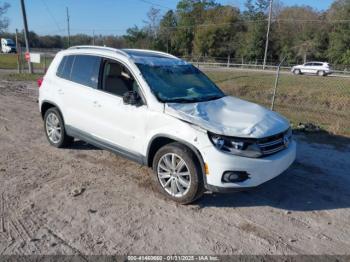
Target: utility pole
{"x":18,"y":54}
{"x":267,"y":35}
{"x":24,"y":15}
{"x":68,"y":27}
{"x":93,"y":37}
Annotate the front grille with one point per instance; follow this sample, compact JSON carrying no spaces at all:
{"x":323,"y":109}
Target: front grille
{"x":273,"y":144}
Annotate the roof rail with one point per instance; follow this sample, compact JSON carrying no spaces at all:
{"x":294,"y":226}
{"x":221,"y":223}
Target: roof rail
{"x":151,"y":51}
{"x":100,"y":48}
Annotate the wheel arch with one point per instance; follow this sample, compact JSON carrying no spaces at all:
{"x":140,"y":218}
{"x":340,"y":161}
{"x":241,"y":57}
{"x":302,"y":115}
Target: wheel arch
{"x":158,"y":141}
{"x":46,"y":105}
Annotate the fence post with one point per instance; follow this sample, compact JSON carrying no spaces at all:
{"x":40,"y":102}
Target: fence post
{"x":44,"y":63}
{"x":276,"y":84}
{"x":228,"y":60}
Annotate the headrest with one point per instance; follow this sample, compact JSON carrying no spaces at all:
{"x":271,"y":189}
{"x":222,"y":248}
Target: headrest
{"x":114,"y":69}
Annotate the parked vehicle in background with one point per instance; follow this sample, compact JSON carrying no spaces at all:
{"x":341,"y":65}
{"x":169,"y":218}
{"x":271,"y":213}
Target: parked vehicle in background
{"x":316,"y":68}
{"x":163,"y":112}
{"x":8,"y":46}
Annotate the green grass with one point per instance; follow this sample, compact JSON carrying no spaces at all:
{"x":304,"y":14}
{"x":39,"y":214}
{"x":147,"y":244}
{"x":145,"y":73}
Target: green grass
{"x":9,"y":61}
{"x":324,"y":101}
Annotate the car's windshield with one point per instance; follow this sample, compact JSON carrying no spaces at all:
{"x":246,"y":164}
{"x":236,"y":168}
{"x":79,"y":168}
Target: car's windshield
{"x":10,"y":42}
{"x":181,"y":83}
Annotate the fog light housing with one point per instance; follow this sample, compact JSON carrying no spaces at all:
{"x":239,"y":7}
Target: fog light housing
{"x":234,"y":176}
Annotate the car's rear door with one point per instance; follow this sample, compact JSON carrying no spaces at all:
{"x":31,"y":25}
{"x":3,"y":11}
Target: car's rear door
{"x":318,"y":67}
{"x":307,"y":68}
{"x":78,"y":92}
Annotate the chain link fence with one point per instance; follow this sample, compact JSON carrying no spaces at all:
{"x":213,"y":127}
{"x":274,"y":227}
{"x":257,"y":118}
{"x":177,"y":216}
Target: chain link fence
{"x":17,"y":62}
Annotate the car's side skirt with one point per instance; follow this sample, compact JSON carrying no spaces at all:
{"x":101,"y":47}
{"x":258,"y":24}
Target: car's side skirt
{"x":91,"y":139}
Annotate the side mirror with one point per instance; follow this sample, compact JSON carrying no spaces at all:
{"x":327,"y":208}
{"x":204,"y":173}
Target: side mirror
{"x":131,"y":98}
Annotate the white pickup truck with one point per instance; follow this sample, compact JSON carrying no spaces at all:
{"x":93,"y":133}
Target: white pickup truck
{"x":8,"y":46}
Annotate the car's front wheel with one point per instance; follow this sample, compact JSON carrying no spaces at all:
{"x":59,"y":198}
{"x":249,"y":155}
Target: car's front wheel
{"x":178,"y":174}
{"x":55,"y":130}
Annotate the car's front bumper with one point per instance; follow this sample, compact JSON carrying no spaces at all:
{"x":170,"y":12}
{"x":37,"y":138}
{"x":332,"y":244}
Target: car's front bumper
{"x":260,"y":170}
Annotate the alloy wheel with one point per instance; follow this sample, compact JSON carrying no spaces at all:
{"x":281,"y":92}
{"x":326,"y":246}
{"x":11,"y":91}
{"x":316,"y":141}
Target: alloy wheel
{"x":174,"y":175}
{"x":53,"y":128}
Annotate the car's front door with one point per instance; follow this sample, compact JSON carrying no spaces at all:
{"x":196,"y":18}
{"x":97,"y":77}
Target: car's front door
{"x":118,"y":124}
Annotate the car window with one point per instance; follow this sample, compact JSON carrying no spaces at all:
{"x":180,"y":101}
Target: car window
{"x":318,"y":64}
{"x":179,"y":83}
{"x":65,"y":67}
{"x":61,"y":66}
{"x":117,"y":79}
{"x":308,"y":64}
{"x":86,"y":70}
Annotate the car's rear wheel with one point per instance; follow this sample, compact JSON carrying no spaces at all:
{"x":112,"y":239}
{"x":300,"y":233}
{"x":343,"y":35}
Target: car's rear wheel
{"x":55,"y":130}
{"x":321,"y":73}
{"x":177,"y":173}
{"x":297,"y":72}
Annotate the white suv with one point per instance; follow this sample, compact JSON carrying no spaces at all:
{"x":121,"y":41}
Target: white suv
{"x":317,"y":68}
{"x":163,"y":112}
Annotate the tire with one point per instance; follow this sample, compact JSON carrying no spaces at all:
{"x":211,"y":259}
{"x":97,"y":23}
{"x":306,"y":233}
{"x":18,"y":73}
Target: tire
{"x":297,"y":72}
{"x":321,"y":73}
{"x":54,"y":129}
{"x":168,"y":178}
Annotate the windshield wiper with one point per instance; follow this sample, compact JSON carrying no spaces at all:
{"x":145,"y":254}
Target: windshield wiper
{"x":209,"y":98}
{"x":182,"y":100}
{"x":194,"y":100}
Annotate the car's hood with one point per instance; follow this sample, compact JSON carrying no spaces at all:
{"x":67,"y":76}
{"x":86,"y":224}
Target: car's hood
{"x":230,"y":116}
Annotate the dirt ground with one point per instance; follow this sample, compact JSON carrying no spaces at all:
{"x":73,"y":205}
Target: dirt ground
{"x":88,"y":201}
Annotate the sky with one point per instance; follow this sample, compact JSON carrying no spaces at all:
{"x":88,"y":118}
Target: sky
{"x":102,"y":16}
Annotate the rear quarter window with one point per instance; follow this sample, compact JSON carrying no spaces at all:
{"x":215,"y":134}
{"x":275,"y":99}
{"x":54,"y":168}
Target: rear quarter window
{"x":65,"y":67}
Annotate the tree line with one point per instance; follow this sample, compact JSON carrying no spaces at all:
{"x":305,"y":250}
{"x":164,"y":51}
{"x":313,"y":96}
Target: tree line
{"x":206,"y":28}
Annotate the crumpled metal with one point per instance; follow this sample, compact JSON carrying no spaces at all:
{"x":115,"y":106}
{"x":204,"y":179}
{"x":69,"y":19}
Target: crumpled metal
{"x":230,"y":116}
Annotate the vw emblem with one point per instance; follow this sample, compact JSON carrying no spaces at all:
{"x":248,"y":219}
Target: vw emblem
{"x":286,"y":141}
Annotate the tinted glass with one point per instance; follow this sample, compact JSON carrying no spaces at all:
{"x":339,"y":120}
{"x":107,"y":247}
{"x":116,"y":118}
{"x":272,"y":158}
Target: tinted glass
{"x":61,"y":66}
{"x":67,"y":67}
{"x":116,"y":79}
{"x":85,"y":70}
{"x":179,"y":83}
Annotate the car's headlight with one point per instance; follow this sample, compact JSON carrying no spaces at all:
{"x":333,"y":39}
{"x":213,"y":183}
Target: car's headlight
{"x":236,"y":146}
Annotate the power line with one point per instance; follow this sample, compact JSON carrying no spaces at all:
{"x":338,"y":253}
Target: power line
{"x":50,"y":14}
{"x":205,"y":25}
{"x":155,"y":4}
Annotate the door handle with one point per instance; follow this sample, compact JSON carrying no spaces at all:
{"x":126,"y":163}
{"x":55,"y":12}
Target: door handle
{"x":60,"y":92}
